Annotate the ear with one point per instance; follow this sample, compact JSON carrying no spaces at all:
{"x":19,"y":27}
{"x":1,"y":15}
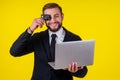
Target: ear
{"x":62,"y":16}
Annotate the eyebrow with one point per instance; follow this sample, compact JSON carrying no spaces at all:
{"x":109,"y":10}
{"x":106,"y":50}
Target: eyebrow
{"x":56,"y":14}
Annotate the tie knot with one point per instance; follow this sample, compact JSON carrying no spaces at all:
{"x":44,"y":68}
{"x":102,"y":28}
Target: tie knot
{"x":53,"y":36}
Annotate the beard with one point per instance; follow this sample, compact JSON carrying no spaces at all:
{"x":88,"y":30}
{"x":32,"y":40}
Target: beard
{"x":55,"y":30}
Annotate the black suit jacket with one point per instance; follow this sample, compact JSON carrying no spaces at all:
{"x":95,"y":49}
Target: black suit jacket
{"x":39,"y":43}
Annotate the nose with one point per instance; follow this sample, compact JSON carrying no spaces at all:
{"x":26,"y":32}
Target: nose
{"x":52,"y":19}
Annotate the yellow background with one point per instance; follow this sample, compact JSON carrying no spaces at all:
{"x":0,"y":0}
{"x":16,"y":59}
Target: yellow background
{"x":90,"y":19}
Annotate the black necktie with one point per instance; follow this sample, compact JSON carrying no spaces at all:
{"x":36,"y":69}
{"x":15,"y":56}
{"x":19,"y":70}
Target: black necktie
{"x":52,"y":47}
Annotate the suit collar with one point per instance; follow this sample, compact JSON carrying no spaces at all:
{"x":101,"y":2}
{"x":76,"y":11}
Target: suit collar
{"x":46,"y":45}
{"x":67,"y":35}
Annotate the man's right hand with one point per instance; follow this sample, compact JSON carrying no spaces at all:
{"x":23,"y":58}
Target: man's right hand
{"x":36,"y":22}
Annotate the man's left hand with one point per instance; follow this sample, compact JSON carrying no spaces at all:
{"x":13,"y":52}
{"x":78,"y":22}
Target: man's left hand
{"x":73,"y":67}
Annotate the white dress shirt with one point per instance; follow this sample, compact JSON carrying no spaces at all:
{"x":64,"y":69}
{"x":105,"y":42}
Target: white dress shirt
{"x":60,"y":35}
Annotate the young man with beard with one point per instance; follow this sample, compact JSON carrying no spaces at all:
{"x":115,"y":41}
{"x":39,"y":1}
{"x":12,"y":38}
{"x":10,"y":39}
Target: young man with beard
{"x":40,"y":43}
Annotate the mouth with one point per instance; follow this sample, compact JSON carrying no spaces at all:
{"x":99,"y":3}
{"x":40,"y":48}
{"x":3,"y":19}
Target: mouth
{"x":54,"y":25}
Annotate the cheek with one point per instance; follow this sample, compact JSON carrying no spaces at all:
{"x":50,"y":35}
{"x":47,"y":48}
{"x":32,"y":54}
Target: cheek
{"x":61,"y":19}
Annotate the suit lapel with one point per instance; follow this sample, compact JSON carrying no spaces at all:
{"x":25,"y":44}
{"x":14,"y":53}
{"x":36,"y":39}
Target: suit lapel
{"x":46,"y":45}
{"x":67,"y":37}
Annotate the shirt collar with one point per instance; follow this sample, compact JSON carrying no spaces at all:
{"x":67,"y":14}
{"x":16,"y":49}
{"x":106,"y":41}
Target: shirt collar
{"x":58,"y":33}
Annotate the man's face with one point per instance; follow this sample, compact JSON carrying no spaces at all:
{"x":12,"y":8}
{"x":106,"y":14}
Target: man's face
{"x":56,"y":19}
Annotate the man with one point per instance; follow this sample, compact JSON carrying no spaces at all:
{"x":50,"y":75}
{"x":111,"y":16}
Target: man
{"x":41,"y":44}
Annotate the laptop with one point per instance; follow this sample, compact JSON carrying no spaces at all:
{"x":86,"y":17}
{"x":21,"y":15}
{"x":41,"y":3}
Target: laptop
{"x":81,"y":52}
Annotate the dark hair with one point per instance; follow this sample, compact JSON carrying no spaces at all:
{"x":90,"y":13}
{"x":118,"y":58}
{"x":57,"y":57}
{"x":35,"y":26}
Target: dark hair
{"x":51,"y":5}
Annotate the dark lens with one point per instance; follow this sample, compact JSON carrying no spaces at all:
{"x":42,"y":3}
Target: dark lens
{"x":46,"y":17}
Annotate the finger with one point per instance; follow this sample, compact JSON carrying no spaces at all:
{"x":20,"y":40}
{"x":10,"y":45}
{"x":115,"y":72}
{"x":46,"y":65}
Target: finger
{"x":76,"y":66}
{"x":73,"y":67}
{"x":69,"y":67}
{"x":39,"y":22}
{"x":65,"y":69}
{"x":81,"y":67}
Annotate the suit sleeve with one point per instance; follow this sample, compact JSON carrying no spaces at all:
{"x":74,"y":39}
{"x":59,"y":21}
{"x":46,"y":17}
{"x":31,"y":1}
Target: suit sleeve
{"x":80,"y":73}
{"x":22,"y":45}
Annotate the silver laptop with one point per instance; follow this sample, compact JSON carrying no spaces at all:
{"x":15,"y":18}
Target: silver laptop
{"x":81,"y":52}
